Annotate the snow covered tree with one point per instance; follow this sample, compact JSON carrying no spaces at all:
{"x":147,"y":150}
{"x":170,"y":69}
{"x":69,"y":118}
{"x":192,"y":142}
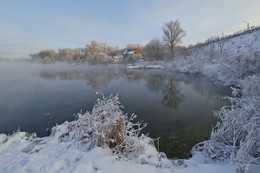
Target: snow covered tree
{"x":45,"y":56}
{"x":94,"y":47}
{"x":69,"y":54}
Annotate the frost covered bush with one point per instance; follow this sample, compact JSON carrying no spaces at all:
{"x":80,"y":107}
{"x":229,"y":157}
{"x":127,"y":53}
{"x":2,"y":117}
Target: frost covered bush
{"x":227,"y":68}
{"x":107,"y":126}
{"x":236,"y":67}
{"x":237,"y":137}
{"x":233,"y":61}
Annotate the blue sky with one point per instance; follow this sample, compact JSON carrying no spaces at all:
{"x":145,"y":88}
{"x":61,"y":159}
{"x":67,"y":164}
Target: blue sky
{"x":28,"y":26}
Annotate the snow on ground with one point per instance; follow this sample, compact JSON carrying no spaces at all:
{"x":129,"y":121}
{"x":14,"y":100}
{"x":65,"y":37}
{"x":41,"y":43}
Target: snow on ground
{"x":233,"y":61}
{"x":143,"y":66}
{"x":103,"y":140}
{"x":234,"y":144}
{"x":26,"y":153}
{"x":228,"y":60}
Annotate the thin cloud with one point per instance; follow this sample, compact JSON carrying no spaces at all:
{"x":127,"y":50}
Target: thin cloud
{"x":59,"y":25}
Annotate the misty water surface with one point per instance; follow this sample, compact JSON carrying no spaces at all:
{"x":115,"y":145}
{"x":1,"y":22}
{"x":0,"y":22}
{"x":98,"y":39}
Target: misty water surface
{"x":172,"y":104}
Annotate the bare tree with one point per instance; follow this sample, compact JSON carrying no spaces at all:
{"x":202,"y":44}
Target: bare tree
{"x":154,"y":49}
{"x":173,"y":33}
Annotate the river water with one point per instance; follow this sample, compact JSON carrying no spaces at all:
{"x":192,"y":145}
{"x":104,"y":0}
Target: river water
{"x":177,"y":107}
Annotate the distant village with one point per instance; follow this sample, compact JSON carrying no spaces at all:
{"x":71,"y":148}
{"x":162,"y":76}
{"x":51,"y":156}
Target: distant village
{"x":167,"y":48}
{"x":101,"y":53}
{"x":93,"y":53}
{"x":96,"y":52}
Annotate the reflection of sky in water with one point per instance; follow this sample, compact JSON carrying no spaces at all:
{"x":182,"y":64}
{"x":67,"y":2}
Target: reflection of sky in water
{"x":166,"y":101}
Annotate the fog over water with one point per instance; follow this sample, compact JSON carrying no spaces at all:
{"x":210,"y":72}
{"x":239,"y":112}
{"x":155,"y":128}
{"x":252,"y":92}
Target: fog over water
{"x":167,"y":101}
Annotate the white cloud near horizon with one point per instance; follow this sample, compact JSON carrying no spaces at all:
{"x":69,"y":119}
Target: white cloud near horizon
{"x":33,"y":26}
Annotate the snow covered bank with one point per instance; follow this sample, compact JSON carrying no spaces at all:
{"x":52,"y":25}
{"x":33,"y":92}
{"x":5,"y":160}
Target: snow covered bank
{"x":227,"y":61}
{"x":232,"y":62}
{"x":92,"y":137}
{"x":24,"y":153}
{"x":103,"y":140}
{"x":100,"y":144}
{"x":145,"y":66}
{"x":237,"y":137}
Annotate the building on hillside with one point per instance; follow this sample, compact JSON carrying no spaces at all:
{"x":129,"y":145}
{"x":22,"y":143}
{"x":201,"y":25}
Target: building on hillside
{"x":133,"y":54}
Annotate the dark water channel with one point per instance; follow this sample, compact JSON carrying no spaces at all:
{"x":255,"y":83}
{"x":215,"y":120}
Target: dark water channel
{"x":177,"y":107}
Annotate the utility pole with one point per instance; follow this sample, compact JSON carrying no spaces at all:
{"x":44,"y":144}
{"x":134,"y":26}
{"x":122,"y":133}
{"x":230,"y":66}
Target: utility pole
{"x":247,"y":23}
{"x":222,"y":34}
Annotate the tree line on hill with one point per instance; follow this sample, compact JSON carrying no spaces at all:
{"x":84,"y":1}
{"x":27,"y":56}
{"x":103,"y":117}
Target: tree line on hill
{"x":156,"y":49}
{"x":96,"y":52}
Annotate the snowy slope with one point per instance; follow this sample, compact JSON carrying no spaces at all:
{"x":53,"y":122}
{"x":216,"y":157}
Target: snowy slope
{"x":227,"y":60}
{"x":233,"y":61}
{"x":241,"y":44}
{"x":24,"y":153}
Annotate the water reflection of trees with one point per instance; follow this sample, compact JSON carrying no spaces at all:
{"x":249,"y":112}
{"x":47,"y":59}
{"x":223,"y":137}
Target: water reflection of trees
{"x":168,"y":87}
{"x":167,"y":83}
{"x":155,"y":82}
{"x":206,"y":88}
{"x":101,"y":78}
{"x":96,"y":78}
{"x":171,"y":94}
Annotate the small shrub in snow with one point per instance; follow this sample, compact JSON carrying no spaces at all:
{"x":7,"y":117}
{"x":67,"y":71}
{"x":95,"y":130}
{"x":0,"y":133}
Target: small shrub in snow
{"x":107,"y":126}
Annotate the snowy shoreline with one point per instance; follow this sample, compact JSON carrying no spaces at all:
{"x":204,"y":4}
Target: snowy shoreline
{"x":230,"y":62}
{"x":234,"y":144}
{"x":82,"y":146}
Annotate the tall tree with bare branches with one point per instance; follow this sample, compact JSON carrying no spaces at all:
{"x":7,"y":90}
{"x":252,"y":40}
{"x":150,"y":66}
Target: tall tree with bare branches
{"x":173,"y":33}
